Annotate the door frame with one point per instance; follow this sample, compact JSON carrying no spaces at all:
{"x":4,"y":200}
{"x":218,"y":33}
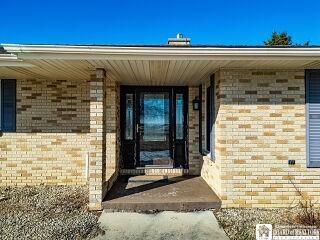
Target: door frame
{"x":136,"y":91}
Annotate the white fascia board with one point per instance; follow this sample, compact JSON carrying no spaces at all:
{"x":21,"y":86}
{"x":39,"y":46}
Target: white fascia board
{"x":70,"y":52}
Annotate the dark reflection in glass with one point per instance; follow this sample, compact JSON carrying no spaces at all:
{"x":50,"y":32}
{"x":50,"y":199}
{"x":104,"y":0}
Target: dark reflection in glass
{"x":179,"y":116}
{"x":154,"y":129}
{"x":129,"y":117}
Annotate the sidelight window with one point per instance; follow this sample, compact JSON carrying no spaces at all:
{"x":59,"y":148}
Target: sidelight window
{"x":129,"y":117}
{"x":179,"y":117}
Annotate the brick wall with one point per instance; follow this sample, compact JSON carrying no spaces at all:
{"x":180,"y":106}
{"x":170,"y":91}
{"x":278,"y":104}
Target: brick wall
{"x":261,"y":125}
{"x":53,"y":106}
{"x":112,"y":123}
{"x":193,"y":134}
{"x":112,"y":126}
{"x":50,"y":144}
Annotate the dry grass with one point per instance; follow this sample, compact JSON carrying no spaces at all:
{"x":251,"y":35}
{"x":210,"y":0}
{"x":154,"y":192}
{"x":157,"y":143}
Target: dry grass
{"x":309,"y":214}
{"x":240,"y":224}
{"x":46,"y":212}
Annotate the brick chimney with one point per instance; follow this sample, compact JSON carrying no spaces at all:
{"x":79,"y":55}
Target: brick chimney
{"x":179,"y":41}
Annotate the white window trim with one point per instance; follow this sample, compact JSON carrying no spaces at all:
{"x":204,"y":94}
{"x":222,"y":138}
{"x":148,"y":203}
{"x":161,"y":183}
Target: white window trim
{"x":213,"y":129}
{"x":211,"y":154}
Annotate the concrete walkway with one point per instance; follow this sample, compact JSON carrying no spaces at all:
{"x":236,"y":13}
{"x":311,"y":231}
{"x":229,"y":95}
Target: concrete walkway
{"x":165,"y":226}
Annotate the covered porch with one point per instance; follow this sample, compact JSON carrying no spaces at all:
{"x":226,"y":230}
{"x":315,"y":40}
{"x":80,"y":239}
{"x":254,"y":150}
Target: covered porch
{"x":103,"y":70}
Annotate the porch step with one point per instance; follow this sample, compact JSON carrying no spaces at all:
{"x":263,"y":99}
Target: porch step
{"x":155,"y":171}
{"x":164,"y":171}
{"x":159,"y":166}
{"x":147,"y":179}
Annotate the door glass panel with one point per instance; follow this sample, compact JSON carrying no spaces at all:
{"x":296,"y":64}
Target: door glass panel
{"x":154,"y":129}
{"x":179,"y":116}
{"x":129,"y":117}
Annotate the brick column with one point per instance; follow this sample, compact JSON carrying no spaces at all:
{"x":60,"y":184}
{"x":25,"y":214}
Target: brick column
{"x":97,"y":139}
{"x":194,"y":155}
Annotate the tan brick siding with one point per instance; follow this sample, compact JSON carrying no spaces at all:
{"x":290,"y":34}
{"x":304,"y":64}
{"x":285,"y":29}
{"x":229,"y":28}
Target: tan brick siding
{"x":112,"y":144}
{"x":261,"y":122}
{"x":53,"y":106}
{"x":51,"y":142}
{"x":112,"y":127}
{"x":97,"y":146}
{"x":193,"y":134}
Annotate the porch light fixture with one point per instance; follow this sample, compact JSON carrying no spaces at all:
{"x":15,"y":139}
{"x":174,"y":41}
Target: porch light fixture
{"x":196,"y":103}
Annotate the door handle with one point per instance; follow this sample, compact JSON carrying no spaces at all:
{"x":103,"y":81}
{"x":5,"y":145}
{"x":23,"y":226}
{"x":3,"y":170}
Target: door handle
{"x":139,"y":128}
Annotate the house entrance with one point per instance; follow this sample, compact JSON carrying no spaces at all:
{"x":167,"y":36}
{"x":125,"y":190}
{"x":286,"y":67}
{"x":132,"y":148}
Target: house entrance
{"x":154,"y":127}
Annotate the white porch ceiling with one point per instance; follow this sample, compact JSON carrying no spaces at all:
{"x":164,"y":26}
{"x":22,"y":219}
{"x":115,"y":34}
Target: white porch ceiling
{"x":143,"y":72}
{"x":146,"y":65}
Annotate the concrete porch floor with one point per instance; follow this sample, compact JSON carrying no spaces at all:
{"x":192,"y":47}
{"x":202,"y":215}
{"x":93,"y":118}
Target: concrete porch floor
{"x":172,"y":194}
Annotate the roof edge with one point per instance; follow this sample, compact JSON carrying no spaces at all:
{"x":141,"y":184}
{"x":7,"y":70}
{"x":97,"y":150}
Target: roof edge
{"x":113,"y":52}
{"x":161,"y":45}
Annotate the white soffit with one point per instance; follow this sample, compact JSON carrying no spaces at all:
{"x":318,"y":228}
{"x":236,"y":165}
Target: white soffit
{"x":146,"y":65}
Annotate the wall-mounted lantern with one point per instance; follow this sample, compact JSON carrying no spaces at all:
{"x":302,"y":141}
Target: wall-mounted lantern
{"x":196,"y":103}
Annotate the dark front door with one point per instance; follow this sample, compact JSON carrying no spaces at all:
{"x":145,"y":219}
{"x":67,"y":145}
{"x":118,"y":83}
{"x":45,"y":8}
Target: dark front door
{"x":154,"y":129}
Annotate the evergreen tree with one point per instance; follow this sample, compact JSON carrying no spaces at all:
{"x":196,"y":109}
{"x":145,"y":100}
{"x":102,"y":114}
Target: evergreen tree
{"x":279,"y":39}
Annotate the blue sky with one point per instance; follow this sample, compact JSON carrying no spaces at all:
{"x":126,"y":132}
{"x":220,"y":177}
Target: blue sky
{"x":122,"y":21}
